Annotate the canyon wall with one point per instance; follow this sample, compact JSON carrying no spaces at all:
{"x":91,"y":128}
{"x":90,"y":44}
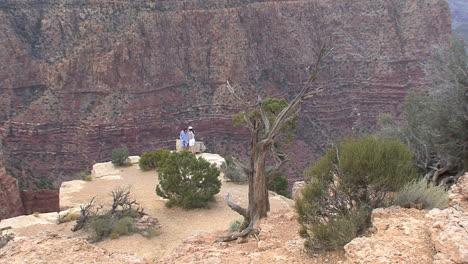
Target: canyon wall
{"x":80,"y":78}
{"x":10,"y":200}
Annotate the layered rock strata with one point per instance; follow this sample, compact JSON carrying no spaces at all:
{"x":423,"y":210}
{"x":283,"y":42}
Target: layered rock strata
{"x":41,"y":201}
{"x":10,"y":199}
{"x":80,"y":78}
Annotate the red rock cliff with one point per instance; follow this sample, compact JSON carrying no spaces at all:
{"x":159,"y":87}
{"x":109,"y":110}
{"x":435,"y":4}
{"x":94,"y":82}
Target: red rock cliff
{"x":79,"y":78}
{"x":10,"y":199}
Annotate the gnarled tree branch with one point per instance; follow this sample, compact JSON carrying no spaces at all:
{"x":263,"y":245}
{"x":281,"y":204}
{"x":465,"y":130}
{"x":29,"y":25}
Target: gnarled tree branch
{"x":237,"y":208}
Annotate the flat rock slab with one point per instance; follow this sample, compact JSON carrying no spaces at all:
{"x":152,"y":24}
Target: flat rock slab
{"x":106,"y":169}
{"x":213,"y":159}
{"x":23,"y":221}
{"x":66,"y":189}
{"x":134,"y":159}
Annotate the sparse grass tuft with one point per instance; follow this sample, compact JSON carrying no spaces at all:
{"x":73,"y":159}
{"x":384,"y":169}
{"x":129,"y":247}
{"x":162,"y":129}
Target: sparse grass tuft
{"x":84,"y":175}
{"x":69,"y":217}
{"x":235,"y":225}
{"x":418,"y":194}
{"x":36,"y":214}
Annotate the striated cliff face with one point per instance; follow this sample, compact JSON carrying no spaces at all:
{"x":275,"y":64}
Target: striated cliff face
{"x":80,"y":78}
{"x":10,"y":199}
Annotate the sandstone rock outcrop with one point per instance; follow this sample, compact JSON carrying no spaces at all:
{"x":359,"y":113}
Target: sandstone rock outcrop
{"x":80,"y":78}
{"x":10,"y":199}
{"x":53,"y":248}
{"x":400,"y":237}
{"x":416,"y":236}
{"x":297,"y":189}
{"x":449,"y":227}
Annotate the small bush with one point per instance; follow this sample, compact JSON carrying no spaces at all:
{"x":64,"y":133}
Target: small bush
{"x":69,"y":217}
{"x":418,"y":194}
{"x":339,"y":231}
{"x":280,"y":185}
{"x":123,"y":226}
{"x":36,"y":214}
{"x":118,"y":220}
{"x":234,"y":175}
{"x":351,"y":179}
{"x":120,"y":157}
{"x":188,"y":181}
{"x":5,"y":238}
{"x":153,"y":160}
{"x":101,"y":226}
{"x":232,"y":172}
{"x":235,"y":225}
{"x":84,"y":175}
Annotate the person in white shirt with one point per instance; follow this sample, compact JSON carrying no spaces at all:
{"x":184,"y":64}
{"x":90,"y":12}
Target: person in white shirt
{"x":191,"y":137}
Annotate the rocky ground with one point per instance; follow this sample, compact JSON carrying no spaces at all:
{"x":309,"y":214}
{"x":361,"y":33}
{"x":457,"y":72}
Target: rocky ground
{"x":398,"y":235}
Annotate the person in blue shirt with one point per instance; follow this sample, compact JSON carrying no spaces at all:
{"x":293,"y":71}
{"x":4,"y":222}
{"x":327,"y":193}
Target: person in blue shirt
{"x":184,"y":140}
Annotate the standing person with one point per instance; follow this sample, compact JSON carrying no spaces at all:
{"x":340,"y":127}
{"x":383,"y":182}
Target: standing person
{"x":191,"y":139}
{"x":184,"y":140}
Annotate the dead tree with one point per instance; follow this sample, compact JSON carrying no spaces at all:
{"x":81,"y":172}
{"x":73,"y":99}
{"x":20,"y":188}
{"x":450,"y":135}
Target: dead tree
{"x":121,"y":198}
{"x":263,"y":136}
{"x":85,"y":214}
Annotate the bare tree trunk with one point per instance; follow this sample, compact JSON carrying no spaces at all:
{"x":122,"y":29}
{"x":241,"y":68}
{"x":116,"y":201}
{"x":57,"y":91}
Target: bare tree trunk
{"x":263,"y":135}
{"x":261,"y":202}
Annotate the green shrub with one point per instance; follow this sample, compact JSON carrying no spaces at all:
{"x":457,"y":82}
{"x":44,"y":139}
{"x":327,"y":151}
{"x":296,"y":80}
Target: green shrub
{"x":123,"y":226}
{"x":153,"y":160}
{"x":83,"y":175}
{"x":234,"y":175}
{"x":114,"y":222}
{"x":101,"y":226}
{"x":120,"y":156}
{"x":339,"y":231}
{"x":232,"y":172}
{"x":5,"y":238}
{"x":351,"y":179}
{"x":187,"y":181}
{"x":421,"y":195}
{"x":69,"y":217}
{"x":235,"y":225}
{"x":280,"y":185}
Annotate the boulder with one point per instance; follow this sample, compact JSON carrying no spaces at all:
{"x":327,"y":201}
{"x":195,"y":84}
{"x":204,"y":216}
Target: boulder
{"x":106,"y":170}
{"x":400,"y":236}
{"x":297,"y":189}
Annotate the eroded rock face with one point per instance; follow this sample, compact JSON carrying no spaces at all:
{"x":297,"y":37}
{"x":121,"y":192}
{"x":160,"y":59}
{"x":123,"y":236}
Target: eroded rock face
{"x":449,"y":227}
{"x":297,"y":189}
{"x":81,"y":78}
{"x":10,"y":199}
{"x":400,"y":237}
{"x":416,"y":236}
{"x":53,"y":248}
{"x":42,"y":201}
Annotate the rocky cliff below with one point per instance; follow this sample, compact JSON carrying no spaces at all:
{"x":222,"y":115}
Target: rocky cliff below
{"x":80,"y":78}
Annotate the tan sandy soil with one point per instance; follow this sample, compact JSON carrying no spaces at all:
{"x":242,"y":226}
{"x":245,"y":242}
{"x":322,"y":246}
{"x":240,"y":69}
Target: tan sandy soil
{"x":176,"y":223}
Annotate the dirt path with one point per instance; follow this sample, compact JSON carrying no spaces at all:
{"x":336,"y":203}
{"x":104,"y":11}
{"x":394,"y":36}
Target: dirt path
{"x":176,"y":223}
